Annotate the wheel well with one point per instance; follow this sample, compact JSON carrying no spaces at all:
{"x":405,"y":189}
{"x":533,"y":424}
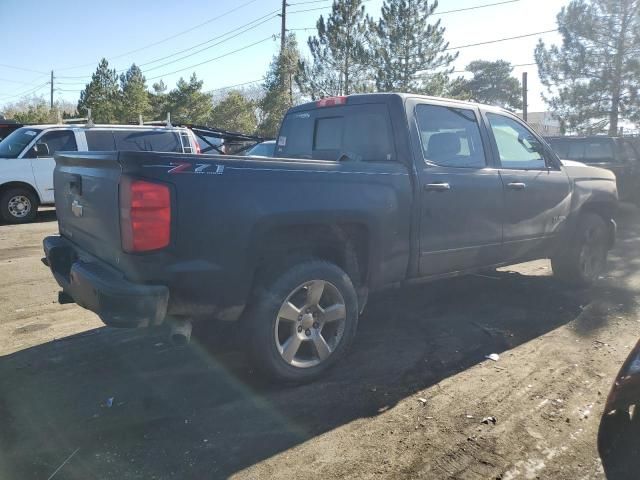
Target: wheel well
{"x":606,"y":211}
{"x":344,"y":244}
{"x":9,"y":185}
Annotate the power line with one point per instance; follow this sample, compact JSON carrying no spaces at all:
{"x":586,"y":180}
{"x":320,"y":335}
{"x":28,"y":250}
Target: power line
{"x":512,"y":66}
{"x":206,"y":22}
{"x":237,"y":84}
{"x":25,"y":93}
{"x":208,"y":47}
{"x":304,"y":3}
{"x":501,"y":40}
{"x":475,"y":7}
{"x":270,"y":37}
{"x":318,"y":8}
{"x":23,"y":69}
{"x":261,"y":20}
{"x":270,"y":16}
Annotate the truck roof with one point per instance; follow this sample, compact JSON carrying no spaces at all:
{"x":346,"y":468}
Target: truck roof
{"x":365,"y":97}
{"x":101,"y":125}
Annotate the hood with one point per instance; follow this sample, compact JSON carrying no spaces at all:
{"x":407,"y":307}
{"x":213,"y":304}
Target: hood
{"x":579,"y":170}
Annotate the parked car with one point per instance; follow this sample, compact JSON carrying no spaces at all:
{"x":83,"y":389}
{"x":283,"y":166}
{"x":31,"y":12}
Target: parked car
{"x":262,"y":149}
{"x":26,"y":157}
{"x":619,"y":430}
{"x":621,"y":155}
{"x":7,"y":126}
{"x":367,"y":192}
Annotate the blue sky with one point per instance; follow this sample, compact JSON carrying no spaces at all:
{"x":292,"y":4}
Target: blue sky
{"x":71,"y":36}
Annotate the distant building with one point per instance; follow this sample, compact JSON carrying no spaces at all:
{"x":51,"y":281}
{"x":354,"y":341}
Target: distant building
{"x":543,"y":123}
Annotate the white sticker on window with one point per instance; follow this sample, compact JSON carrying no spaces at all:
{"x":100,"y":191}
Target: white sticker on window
{"x":31,"y":133}
{"x":282,"y":141}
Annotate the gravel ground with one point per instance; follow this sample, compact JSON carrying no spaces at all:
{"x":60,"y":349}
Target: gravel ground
{"x":407,"y":402}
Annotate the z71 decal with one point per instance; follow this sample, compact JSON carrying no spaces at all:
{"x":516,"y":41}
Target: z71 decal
{"x":192,"y":168}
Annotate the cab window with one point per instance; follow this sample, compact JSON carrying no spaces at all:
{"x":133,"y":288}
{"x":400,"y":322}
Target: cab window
{"x":450,"y":137}
{"x":517,"y":147}
{"x":56,"y":141}
{"x":361,"y":132}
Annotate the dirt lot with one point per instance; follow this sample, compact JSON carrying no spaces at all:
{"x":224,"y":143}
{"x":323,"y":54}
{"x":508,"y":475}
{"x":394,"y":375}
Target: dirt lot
{"x":406,"y":403}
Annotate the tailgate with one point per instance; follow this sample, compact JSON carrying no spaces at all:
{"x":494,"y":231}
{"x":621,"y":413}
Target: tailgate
{"x":87,"y":206}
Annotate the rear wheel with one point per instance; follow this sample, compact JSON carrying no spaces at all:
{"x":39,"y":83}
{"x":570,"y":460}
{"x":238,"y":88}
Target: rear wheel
{"x":585,"y":259}
{"x":302,"y":321}
{"x":19,"y":205}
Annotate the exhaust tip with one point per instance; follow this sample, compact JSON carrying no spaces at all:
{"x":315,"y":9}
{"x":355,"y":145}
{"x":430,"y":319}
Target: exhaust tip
{"x":180,"y":332}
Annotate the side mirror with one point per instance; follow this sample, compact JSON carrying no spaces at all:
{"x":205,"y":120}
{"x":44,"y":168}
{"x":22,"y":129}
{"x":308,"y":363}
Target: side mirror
{"x":41,"y":150}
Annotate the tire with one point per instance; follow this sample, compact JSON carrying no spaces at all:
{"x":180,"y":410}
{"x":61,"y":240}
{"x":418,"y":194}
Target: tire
{"x":19,"y":205}
{"x":586,"y":258}
{"x":291,"y":336}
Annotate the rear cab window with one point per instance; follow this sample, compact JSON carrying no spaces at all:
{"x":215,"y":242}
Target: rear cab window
{"x":359,"y":132}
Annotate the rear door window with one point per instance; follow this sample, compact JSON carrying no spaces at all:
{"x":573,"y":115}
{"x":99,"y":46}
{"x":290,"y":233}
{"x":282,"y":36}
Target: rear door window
{"x":358,"y":131}
{"x":450,"y":136}
{"x":100,"y":140}
{"x":598,"y":150}
{"x":148,"y":140}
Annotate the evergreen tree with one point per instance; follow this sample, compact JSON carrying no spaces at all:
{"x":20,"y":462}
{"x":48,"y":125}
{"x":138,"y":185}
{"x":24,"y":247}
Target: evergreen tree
{"x":593,"y":78}
{"x":493,"y":84}
{"x":408,"y":50}
{"x":234,"y":113}
{"x":340,"y":59}
{"x":278,"y":87}
{"x":134,"y":97}
{"x":158,"y":100}
{"x":101,"y":95}
{"x":188,"y":103}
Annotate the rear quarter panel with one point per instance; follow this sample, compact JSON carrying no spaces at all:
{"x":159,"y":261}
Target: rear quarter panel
{"x":226,"y":205}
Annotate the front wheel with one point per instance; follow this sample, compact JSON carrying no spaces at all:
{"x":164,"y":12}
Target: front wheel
{"x":302,"y":322}
{"x":586,"y":258}
{"x":18,"y":205}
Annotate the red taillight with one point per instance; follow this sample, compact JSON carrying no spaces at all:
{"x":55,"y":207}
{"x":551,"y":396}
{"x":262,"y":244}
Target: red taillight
{"x":331,"y":101}
{"x":145,"y":215}
{"x":196,"y":143}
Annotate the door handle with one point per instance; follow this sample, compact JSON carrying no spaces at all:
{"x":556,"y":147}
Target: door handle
{"x":437,"y":187}
{"x":517,"y":185}
{"x":75,"y":185}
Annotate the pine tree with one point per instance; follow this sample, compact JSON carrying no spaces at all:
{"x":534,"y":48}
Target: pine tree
{"x":278,"y":87}
{"x":340,"y":59}
{"x":101,"y":95}
{"x":188,"y":103}
{"x":493,"y":84}
{"x":134,"y":97}
{"x":158,"y":100}
{"x":593,"y":78}
{"x":408,"y":50}
{"x":234,"y":113}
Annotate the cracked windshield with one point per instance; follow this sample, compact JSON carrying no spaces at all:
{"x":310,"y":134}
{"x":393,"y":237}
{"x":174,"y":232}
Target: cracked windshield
{"x":293,"y":239}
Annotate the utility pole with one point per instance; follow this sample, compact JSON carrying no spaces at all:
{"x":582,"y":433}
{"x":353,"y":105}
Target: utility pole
{"x":283,"y":25}
{"x":524,"y":96}
{"x":51,"y":105}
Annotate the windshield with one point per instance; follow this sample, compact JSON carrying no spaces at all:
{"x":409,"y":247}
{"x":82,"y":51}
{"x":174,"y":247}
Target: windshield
{"x":13,"y":145}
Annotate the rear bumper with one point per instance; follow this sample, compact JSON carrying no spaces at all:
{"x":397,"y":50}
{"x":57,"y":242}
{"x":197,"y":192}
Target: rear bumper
{"x":98,"y":287}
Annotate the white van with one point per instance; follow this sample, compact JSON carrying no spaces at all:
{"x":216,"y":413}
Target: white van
{"x":26,"y":157}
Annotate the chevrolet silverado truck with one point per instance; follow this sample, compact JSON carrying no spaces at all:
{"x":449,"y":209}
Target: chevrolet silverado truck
{"x":365,"y":192}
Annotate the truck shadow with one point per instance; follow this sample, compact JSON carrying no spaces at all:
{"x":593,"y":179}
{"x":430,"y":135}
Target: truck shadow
{"x":137,"y":407}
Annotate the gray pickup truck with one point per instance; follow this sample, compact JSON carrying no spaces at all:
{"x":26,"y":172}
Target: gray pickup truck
{"x":365,"y":192}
